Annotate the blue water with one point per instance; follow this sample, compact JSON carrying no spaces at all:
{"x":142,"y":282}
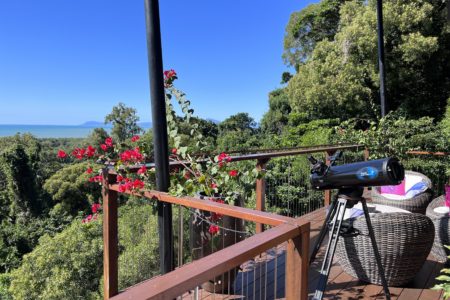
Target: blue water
{"x":47,"y":131}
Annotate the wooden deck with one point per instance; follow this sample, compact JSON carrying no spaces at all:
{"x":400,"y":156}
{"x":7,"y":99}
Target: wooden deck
{"x":265,"y":280}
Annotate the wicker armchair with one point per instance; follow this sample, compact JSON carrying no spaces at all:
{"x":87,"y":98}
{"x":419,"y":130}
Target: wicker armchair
{"x":417,"y":204}
{"x":441,"y":230}
{"x":404,"y":241}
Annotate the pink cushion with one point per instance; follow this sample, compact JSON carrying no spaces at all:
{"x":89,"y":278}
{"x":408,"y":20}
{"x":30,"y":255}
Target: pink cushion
{"x":394,"y":189}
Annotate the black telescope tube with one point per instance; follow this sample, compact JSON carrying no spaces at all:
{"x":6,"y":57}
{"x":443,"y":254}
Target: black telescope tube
{"x":387,"y":171}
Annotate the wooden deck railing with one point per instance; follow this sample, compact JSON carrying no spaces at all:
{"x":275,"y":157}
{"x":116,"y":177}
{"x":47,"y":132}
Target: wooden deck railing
{"x":173,"y":284}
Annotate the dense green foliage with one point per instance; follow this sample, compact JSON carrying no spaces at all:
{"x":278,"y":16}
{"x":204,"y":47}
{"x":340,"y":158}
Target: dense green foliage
{"x":340,"y":78}
{"x":69,"y":265}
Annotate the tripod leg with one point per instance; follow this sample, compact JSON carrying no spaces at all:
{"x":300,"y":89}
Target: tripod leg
{"x":331,"y":248}
{"x":375,"y":250}
{"x":323,"y":231}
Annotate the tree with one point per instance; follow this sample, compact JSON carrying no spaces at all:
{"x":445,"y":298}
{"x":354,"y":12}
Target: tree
{"x":237,"y":122}
{"x":70,"y":187}
{"x":124,"y":120}
{"x":316,"y":22}
{"x":69,"y":265}
{"x":97,"y":137}
{"x":340,"y":78}
{"x":276,"y":118}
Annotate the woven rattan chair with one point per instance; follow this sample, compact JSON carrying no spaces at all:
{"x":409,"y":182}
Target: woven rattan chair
{"x":416,"y":204}
{"x":404,"y":241}
{"x":441,"y":230}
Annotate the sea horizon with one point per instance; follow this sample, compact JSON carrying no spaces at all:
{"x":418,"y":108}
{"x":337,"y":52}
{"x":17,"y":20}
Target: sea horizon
{"x":54,"y":131}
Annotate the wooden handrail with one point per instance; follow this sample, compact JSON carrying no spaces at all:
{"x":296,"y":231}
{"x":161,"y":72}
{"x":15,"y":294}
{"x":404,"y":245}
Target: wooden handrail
{"x":211,"y":206}
{"x":187,"y":277}
{"x":428,"y":153}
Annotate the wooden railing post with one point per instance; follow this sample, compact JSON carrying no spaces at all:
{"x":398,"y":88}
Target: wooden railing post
{"x":327,"y":193}
{"x":261,"y":192}
{"x":366,"y":154}
{"x":110,"y":237}
{"x":297,"y":265}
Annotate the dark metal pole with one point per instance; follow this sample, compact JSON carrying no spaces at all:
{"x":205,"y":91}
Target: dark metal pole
{"x":384,"y":104}
{"x":159,"y":124}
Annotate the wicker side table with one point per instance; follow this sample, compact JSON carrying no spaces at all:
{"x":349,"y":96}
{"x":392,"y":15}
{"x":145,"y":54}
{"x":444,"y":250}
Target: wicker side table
{"x":404,"y":241}
{"x":441,"y":228}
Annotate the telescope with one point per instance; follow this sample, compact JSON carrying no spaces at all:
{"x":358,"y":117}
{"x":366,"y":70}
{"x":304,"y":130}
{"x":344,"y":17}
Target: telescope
{"x":349,"y":179}
{"x":386,"y":171}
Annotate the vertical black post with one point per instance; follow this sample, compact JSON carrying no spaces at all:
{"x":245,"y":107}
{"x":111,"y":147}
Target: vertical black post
{"x":384,"y":105}
{"x":159,"y":124}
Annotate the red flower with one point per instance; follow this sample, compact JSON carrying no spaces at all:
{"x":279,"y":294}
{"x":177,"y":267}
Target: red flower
{"x":131,"y":155}
{"x":213,"y":185}
{"x":104,"y":147}
{"x":142,"y":170}
{"x":119,"y":178}
{"x":233,"y":173}
{"x":122,"y":188}
{"x":90,"y":151}
{"x":135,"y":138}
{"x":223,"y":157}
{"x":62,"y":154}
{"x":174,"y":150}
{"x":79,"y":153}
{"x":98,"y":178}
{"x":169,"y":77}
{"x":109,"y":142}
{"x":213,"y":229}
{"x":138,"y":184}
{"x":89,"y":170}
{"x":96,"y":207}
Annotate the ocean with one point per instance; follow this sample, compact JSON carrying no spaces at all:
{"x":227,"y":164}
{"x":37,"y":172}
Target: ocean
{"x":49,"y":131}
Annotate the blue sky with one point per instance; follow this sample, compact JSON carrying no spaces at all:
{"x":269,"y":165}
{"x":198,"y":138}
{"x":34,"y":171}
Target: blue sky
{"x":67,"y":62}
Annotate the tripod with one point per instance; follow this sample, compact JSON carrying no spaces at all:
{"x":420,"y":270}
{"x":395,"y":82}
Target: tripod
{"x":346,"y":198}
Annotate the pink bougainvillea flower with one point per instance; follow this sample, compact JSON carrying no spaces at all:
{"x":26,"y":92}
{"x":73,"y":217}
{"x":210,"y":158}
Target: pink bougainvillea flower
{"x":233,"y":173}
{"x":138,"y":184}
{"x":90,"y":151}
{"x":89,"y":170}
{"x":174,"y":150}
{"x":97,"y":178}
{"x":213,"y":185}
{"x":169,"y":77}
{"x":133,"y":155}
{"x":223,"y":157}
{"x":216,"y":217}
{"x":142,"y":170}
{"x":62,"y":154}
{"x":104,"y":147}
{"x":87,"y":219}
{"x":119,"y":178}
{"x":213,"y":229}
{"x":79,"y":153}
{"x":109,"y":142}
{"x":135,"y":138}
{"x":122,"y":188}
{"x":95,"y":207}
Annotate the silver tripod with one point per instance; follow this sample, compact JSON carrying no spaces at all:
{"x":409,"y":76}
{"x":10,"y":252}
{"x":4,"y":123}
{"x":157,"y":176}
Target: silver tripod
{"x":346,"y":198}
